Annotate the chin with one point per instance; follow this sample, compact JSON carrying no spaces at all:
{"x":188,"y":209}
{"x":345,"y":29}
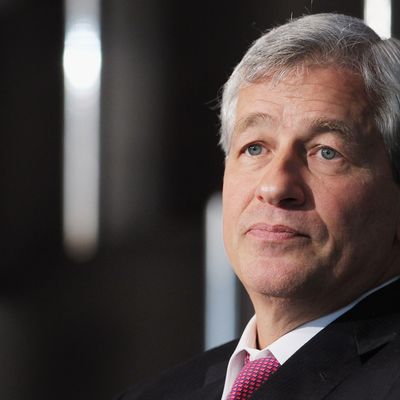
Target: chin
{"x":282,"y":281}
{"x":283,"y":290}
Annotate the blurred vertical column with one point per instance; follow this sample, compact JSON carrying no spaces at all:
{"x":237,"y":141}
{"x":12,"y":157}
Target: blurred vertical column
{"x":82,"y":66}
{"x":221,"y":311}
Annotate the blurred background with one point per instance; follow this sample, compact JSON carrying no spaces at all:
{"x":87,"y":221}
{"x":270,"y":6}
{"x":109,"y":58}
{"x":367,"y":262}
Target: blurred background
{"x":105,"y":181}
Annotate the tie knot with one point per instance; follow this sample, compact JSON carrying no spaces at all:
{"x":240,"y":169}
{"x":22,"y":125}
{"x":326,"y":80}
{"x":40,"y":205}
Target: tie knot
{"x":252,"y":376}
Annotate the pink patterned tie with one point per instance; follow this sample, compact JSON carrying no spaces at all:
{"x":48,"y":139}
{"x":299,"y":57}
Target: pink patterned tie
{"x":252,"y":376}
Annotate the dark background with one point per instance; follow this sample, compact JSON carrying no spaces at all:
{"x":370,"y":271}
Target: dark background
{"x":72,"y":330}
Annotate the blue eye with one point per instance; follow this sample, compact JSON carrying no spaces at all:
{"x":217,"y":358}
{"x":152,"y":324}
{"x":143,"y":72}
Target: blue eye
{"x":254,"y":149}
{"x":328,"y":153}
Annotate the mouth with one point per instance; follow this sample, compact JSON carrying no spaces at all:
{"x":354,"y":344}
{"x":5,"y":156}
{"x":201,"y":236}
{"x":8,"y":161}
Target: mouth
{"x":268,"y":232}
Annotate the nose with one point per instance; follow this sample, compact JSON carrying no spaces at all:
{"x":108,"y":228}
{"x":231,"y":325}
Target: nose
{"x":281,"y":183}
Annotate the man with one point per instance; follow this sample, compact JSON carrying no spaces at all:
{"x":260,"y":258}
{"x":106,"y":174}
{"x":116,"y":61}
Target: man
{"x":311,"y":202}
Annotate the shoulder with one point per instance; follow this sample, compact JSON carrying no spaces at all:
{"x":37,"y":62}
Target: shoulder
{"x":185,"y":378}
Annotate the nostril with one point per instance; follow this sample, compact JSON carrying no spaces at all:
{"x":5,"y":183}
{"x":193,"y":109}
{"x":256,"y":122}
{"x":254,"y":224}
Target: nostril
{"x":265,"y":192}
{"x":260,"y":198}
{"x":292,"y":201}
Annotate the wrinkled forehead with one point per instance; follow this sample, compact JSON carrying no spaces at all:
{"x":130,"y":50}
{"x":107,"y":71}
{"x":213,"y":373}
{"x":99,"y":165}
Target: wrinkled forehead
{"x":247,"y":75}
{"x":298,"y":71}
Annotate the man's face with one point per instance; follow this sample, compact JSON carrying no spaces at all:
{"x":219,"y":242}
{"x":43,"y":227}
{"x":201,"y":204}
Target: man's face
{"x":310,"y":207}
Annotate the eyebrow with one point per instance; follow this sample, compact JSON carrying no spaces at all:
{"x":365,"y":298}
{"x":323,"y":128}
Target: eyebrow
{"x":322,"y":125}
{"x":318,"y":125}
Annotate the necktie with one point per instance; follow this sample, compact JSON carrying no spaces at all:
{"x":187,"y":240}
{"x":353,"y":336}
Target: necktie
{"x":252,"y":376}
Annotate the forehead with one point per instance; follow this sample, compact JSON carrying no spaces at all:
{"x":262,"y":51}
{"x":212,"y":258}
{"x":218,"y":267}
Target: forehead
{"x":316,"y":92}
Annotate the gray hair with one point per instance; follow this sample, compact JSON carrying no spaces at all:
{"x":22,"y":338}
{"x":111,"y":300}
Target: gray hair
{"x":325,"y":39}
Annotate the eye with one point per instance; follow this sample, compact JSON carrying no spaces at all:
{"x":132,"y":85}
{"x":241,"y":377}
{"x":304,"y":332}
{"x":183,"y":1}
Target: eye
{"x":328,"y":153}
{"x":254,"y":149}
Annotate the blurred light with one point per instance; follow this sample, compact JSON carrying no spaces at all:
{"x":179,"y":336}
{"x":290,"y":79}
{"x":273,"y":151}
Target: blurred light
{"x":82,"y":57}
{"x":82,"y":71}
{"x":220,"y":282}
{"x":378,"y":16}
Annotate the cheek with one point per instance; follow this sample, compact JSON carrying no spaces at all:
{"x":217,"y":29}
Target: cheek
{"x":238,"y":192}
{"x":340,"y":203}
{"x":229,"y":207}
{"x":355,"y":211}
{"x":236,"y":195}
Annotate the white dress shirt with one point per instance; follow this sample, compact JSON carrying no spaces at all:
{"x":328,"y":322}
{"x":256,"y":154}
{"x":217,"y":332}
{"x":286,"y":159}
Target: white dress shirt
{"x":285,"y":346}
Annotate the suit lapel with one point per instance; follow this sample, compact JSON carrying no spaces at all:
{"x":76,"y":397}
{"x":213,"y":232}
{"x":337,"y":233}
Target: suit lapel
{"x":213,"y":383}
{"x":316,"y":368}
{"x":214,"y":377}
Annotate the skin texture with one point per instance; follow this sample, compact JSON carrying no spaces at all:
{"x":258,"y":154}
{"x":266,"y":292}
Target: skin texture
{"x":311,"y":210}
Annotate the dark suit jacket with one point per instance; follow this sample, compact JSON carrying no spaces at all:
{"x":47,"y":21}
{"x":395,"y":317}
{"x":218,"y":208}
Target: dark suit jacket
{"x":357,"y":357}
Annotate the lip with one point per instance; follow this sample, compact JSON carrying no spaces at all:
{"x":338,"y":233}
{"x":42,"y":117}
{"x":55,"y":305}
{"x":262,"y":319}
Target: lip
{"x":274,"y":232}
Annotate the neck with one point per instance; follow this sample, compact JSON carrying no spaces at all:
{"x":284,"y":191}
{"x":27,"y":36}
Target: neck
{"x":277,"y":318}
